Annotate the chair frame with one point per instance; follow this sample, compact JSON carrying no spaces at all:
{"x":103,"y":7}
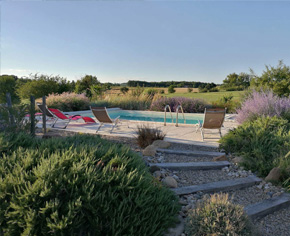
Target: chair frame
{"x":114,"y":122}
{"x":200,"y":126}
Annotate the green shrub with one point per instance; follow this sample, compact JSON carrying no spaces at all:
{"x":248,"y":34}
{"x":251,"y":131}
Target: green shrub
{"x":68,"y":101}
{"x":227,"y":102}
{"x":146,"y":135}
{"x":171,"y":89}
{"x":80,"y":185}
{"x":259,"y":142}
{"x":215,"y":89}
{"x":124,"y":89}
{"x":151,"y":92}
{"x":161,"y":91}
{"x":189,"y":90}
{"x":218,"y":216}
{"x":284,"y":164}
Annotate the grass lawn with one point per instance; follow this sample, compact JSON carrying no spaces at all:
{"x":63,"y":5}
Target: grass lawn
{"x":209,"y":97}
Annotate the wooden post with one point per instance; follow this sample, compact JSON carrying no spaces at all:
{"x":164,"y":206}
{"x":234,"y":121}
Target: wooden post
{"x":9,"y":105}
{"x":44,"y":115}
{"x":32,"y":115}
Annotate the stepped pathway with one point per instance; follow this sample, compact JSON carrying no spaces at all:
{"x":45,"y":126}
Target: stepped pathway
{"x":198,"y":176}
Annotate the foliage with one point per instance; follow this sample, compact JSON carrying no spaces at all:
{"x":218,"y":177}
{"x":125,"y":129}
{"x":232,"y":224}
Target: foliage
{"x":151,"y":92}
{"x":260,"y":142}
{"x":263,"y":103}
{"x":146,"y":135}
{"x":68,"y":102}
{"x":218,"y":216}
{"x":42,"y":85}
{"x":138,"y":91}
{"x":171,"y":89}
{"x":226,"y":102}
{"x":189,"y":90}
{"x":161,"y":91}
{"x":203,"y":88}
{"x":8,"y":85}
{"x":284,"y":164}
{"x":14,"y":119}
{"x":124,"y":89}
{"x":127,"y":102}
{"x":236,"y":82}
{"x":215,"y":89}
{"x":275,"y":78}
{"x":189,"y":105}
{"x":84,"y":84}
{"x":80,"y":185}
{"x":98,"y":90}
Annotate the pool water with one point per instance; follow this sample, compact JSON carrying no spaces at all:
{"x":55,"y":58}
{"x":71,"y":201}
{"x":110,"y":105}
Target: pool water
{"x":152,"y":116}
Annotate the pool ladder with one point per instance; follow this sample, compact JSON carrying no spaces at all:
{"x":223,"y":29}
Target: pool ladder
{"x":177,"y":112}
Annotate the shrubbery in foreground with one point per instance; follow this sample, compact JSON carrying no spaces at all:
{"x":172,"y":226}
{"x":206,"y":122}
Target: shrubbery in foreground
{"x":80,"y":185}
{"x":218,"y":216}
{"x":260,"y":142}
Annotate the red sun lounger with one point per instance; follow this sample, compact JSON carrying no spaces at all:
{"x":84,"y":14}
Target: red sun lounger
{"x":58,"y":115}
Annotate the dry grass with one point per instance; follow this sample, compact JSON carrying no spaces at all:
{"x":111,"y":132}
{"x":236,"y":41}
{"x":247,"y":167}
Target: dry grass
{"x":146,"y":135}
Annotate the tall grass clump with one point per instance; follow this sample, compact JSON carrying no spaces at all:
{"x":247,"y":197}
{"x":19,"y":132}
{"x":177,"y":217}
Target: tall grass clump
{"x":133,"y":101}
{"x":263,"y":103}
{"x":79,"y":185}
{"x":146,"y":135}
{"x":68,"y":101}
{"x":260,"y":142}
{"x":189,"y":105}
{"x":218,"y":216}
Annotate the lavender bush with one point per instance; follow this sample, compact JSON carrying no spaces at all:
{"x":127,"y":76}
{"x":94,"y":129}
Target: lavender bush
{"x":68,"y":101}
{"x":189,"y":105}
{"x":263,"y":104}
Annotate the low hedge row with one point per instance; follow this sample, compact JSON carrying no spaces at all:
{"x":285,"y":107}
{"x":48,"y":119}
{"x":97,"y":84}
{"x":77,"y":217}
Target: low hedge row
{"x":80,"y":185}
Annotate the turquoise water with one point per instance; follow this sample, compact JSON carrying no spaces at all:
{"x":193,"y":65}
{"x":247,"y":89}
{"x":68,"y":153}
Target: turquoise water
{"x":152,"y":116}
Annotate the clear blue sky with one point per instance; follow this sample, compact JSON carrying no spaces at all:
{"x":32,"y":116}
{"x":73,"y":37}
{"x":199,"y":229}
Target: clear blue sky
{"x":154,"y":40}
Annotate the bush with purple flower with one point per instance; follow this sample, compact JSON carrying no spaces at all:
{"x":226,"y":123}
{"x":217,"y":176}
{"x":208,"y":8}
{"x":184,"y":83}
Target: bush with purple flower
{"x":263,"y":103}
{"x":189,"y":105}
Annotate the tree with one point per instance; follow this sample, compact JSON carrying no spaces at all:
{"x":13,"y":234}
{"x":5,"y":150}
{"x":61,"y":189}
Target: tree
{"x":42,"y":85}
{"x":171,"y":89}
{"x":275,"y":78}
{"x":124,"y":90}
{"x":85,"y":83}
{"x":237,"y":82}
{"x":8,"y":85}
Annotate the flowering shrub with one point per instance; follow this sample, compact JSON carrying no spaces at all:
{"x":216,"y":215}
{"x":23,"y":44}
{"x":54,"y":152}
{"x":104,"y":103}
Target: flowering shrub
{"x":263,"y":104}
{"x":188,"y":104}
{"x":68,"y":101}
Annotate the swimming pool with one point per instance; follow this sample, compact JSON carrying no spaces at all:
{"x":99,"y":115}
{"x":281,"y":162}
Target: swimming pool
{"x":151,"y":116}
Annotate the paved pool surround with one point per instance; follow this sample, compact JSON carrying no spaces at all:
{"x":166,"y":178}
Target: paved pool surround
{"x":184,"y":133}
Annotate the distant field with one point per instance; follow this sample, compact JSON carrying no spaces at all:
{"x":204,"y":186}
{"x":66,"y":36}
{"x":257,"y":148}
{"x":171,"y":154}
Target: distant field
{"x":183,"y":92}
{"x":209,"y":97}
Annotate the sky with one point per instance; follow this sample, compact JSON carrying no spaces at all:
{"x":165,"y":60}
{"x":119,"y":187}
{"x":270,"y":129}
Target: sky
{"x":119,"y":41}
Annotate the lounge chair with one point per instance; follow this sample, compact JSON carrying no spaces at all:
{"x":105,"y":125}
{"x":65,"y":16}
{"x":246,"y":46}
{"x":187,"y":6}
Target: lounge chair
{"x":44,"y":110}
{"x":58,"y":115}
{"x":213,"y":119}
{"x":103,"y":117}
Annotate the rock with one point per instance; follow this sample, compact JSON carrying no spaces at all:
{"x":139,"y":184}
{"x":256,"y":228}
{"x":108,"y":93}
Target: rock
{"x":237,"y":160}
{"x":152,"y":169}
{"x":161,"y":144}
{"x":274,"y":174}
{"x":149,"y":151}
{"x":157,"y":174}
{"x":220,"y":158}
{"x":170,"y":182}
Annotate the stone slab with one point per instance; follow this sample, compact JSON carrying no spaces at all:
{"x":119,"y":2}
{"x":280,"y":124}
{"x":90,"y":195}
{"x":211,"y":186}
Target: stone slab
{"x":225,"y":185}
{"x":268,"y":206}
{"x":191,"y":153}
{"x":193,"y":165}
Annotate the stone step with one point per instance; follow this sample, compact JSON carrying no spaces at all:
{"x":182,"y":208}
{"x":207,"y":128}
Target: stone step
{"x":268,"y":206}
{"x":193,"y":165}
{"x":224,"y":185}
{"x":190,"y":153}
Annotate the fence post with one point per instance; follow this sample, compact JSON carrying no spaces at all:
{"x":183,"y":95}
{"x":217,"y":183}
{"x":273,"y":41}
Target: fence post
{"x":9,"y":105}
{"x":32,"y":115}
{"x":44,"y":115}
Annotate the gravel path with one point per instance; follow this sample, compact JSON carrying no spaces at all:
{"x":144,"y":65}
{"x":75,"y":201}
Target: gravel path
{"x":277,"y":224}
{"x":186,"y":178}
{"x":189,"y":147}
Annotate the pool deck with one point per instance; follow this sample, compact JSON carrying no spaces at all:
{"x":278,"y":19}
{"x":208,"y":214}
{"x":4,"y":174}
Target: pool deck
{"x":126,"y":128}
